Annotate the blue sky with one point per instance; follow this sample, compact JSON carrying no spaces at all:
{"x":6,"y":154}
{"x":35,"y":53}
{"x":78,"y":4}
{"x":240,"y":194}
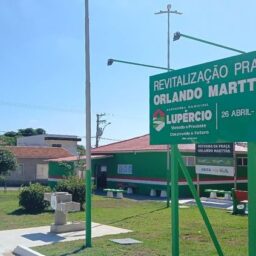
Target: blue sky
{"x":42,"y":72}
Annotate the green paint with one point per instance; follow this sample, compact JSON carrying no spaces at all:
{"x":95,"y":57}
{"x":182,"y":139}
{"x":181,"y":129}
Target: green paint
{"x":168,"y":178}
{"x":211,"y":43}
{"x":199,"y":204}
{"x":175,"y":200}
{"x":203,"y":103}
{"x":252,"y":199}
{"x":215,"y":161}
{"x":60,"y":168}
{"x":110,"y":62}
{"x":88,"y":222}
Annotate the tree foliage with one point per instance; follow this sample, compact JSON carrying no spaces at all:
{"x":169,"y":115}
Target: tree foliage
{"x":10,"y":134}
{"x":31,"y":198}
{"x":28,"y":132}
{"x":10,"y":138}
{"x":7,"y":141}
{"x":81,"y":150}
{"x":75,"y":186}
{"x":8,"y":161}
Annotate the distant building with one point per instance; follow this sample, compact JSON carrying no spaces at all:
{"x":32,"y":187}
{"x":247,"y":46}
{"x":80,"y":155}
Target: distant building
{"x":136,"y":164}
{"x":32,"y":166}
{"x":68,"y":142}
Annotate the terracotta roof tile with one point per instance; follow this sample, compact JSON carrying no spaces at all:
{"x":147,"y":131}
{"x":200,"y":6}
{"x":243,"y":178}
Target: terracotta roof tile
{"x":142,"y":144}
{"x":38,"y":152}
{"x":76,"y":158}
{"x":137,"y":144}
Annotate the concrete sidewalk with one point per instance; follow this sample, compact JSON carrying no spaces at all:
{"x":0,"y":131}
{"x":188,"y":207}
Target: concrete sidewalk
{"x":31,"y":237}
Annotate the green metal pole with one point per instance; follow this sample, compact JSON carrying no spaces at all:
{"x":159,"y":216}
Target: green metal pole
{"x":168,"y":177}
{"x":252,"y":199}
{"x":111,"y":61}
{"x":199,"y":204}
{"x":211,"y":43}
{"x":88,"y":209}
{"x":175,"y":200}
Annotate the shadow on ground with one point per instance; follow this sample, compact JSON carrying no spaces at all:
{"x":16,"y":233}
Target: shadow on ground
{"x":21,"y":211}
{"x":82,"y":248}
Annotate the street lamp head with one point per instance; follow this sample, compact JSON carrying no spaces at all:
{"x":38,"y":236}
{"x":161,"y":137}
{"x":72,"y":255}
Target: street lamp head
{"x":110,"y":62}
{"x":176,"y":36}
{"x":169,"y":6}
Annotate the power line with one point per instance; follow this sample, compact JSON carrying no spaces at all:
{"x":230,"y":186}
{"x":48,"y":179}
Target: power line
{"x":40,"y":107}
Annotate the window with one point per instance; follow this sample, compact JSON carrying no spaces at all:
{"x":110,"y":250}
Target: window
{"x":56,"y":145}
{"x":124,"y":168}
{"x":189,"y":160}
{"x":103,"y":168}
{"x":42,"y":171}
{"x":20,"y":170}
{"x":241,"y":161}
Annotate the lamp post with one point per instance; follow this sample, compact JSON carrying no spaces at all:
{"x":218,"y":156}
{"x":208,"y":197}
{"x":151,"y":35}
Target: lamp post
{"x":174,"y":161}
{"x":111,"y":61}
{"x":178,"y":35}
{"x":88,"y":128}
{"x":168,"y":12}
{"x":251,"y":163}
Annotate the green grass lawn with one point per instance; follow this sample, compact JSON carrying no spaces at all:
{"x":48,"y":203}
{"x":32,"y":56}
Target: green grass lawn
{"x":150,"y":222}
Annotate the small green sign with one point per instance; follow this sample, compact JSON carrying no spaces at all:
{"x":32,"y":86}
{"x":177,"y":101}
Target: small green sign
{"x":211,"y":102}
{"x":215,"y":159}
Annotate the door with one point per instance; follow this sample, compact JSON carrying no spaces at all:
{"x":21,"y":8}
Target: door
{"x":101,"y":176}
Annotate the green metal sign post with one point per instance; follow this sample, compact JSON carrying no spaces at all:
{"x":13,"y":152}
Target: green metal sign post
{"x":175,"y":200}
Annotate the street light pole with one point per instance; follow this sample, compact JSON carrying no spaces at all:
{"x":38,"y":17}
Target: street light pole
{"x":111,"y":61}
{"x":178,"y":35}
{"x":174,"y":161}
{"x":88,"y":127}
{"x":168,"y":12}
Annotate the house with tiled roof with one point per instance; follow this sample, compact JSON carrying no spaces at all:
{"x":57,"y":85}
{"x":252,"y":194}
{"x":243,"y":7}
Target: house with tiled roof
{"x":32,"y":165}
{"x":142,"y":167}
{"x":68,"y":142}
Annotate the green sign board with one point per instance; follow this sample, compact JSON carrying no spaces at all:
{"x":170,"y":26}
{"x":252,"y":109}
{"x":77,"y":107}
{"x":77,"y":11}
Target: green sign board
{"x":211,"y":102}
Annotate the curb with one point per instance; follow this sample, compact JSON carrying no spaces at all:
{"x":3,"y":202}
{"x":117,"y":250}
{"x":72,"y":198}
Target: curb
{"x":25,"y":251}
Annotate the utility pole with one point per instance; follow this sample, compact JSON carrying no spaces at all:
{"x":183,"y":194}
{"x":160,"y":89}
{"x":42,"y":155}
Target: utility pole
{"x":100,"y":129}
{"x":88,"y":226}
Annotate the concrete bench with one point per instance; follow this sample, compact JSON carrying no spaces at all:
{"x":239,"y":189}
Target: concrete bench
{"x":152,"y":192}
{"x":111,"y":191}
{"x":130,"y":190}
{"x":155,"y":192}
{"x":215,"y":192}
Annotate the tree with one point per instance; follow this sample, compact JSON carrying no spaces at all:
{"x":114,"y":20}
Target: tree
{"x":10,"y":134}
{"x":40,"y":131}
{"x":7,"y":141}
{"x":30,"y":132}
{"x":27,"y":132}
{"x":8,"y":161}
{"x":10,"y":138}
{"x":81,"y":150}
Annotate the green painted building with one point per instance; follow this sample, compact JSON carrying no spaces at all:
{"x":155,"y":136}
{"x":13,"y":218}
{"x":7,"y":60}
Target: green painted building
{"x":142,"y":168}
